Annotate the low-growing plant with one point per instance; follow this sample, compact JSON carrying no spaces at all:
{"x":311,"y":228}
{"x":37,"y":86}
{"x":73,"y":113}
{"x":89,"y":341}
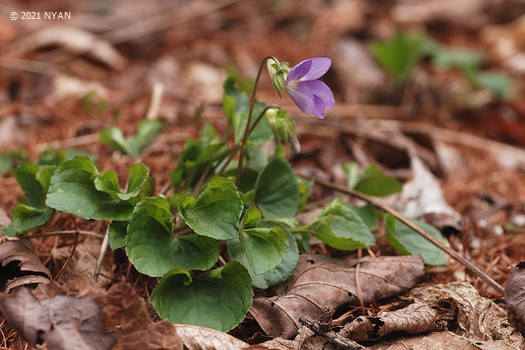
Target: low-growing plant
{"x":400,"y":54}
{"x":230,"y":224}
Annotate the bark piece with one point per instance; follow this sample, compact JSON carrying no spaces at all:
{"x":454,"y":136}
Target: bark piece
{"x":416,"y":318}
{"x":322,"y":282}
{"x":20,"y":266}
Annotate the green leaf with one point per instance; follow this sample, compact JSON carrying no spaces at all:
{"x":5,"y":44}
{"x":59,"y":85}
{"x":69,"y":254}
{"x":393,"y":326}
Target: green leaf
{"x":217,"y":299}
{"x":9,"y":231}
{"x":117,"y":234}
{"x":252,"y":217}
{"x":154,"y":250}
{"x":408,"y":242}
{"x":351,"y":170}
{"x":27,"y":218}
{"x":341,"y":227}
{"x":456,"y":58}
{"x":498,"y":83}
{"x":147,"y":130}
{"x":114,"y":138}
{"x":376,"y":183}
{"x":400,"y":54}
{"x":73,"y":190}
{"x":193,"y":160}
{"x":10,"y":160}
{"x":265,"y":247}
{"x":277,"y":191}
{"x":108,"y":182}
{"x":237,"y":108}
{"x":277,"y":274}
{"x":305,"y":187}
{"x":26,"y":176}
{"x":217,"y":210}
{"x":366,"y":213}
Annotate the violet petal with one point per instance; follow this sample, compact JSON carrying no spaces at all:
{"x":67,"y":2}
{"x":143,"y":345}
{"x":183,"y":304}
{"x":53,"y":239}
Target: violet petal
{"x":319,"y":107}
{"x":318,"y":66}
{"x":299,"y":71}
{"x":302,"y":95}
{"x":322,"y":90}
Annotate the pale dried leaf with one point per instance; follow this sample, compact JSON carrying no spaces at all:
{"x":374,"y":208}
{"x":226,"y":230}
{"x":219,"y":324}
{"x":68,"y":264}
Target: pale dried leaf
{"x":62,"y":322}
{"x":422,"y":198}
{"x":440,"y":341}
{"x":305,"y":340}
{"x":75,"y":40}
{"x":200,"y":338}
{"x":321,"y":282}
{"x":515,"y":294}
{"x":416,"y":318}
{"x":477,"y":318}
{"x":20,"y":266}
{"x":4,"y":219}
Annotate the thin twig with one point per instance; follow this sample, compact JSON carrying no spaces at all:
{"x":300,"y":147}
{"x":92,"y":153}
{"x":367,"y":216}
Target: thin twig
{"x":69,"y":258}
{"x":469,"y":265}
{"x":103,"y":249}
{"x":332,"y":337}
{"x":64,"y":233}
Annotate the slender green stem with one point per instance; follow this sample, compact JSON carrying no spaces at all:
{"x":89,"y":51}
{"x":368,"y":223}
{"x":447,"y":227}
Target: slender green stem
{"x":248,"y":123}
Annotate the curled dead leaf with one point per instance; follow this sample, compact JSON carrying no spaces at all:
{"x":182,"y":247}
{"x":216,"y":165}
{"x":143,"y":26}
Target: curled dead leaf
{"x":20,"y":266}
{"x":322,"y":282}
{"x":475,"y":317}
{"x":75,"y":40}
{"x":515,"y":294}
{"x":62,"y":322}
{"x":440,"y":341}
{"x":416,"y":318}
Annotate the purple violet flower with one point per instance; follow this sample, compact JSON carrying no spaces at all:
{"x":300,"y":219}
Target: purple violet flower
{"x":312,"y":96}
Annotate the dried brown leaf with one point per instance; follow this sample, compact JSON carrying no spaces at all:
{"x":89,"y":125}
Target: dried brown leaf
{"x":321,"y":282}
{"x":75,"y":40}
{"x":515,"y":294}
{"x":440,"y":341}
{"x":476,"y":318}
{"x":20,"y":266}
{"x":417,"y":318}
{"x":197,"y":338}
{"x":62,"y":322}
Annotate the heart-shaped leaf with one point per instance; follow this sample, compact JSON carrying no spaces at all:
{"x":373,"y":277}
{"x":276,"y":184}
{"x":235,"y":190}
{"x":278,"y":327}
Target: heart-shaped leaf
{"x":277,"y":274}
{"x":73,"y":190}
{"x":339,"y":226}
{"x":217,"y":299}
{"x":277,"y":190}
{"x":217,"y":210}
{"x":154,"y":250}
{"x":117,"y":234}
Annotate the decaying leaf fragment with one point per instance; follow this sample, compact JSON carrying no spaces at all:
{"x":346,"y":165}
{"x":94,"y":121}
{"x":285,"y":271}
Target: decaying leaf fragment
{"x":416,"y":318}
{"x":476,"y":318}
{"x":515,"y":294}
{"x":195,"y":338}
{"x":322,"y":282}
{"x":20,"y":266}
{"x":62,"y":322}
{"x":439,"y":341}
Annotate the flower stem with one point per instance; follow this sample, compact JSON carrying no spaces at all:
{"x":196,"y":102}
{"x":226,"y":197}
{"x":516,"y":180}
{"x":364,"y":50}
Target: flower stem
{"x":248,"y":130}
